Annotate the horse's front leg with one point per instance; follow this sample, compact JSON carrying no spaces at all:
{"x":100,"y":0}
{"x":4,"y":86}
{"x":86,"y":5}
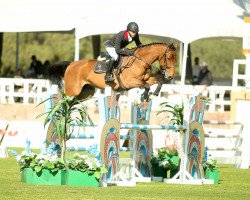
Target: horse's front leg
{"x":158,"y":88}
{"x":136,"y":83}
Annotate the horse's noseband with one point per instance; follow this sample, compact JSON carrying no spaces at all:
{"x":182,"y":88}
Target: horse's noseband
{"x":167,"y":78}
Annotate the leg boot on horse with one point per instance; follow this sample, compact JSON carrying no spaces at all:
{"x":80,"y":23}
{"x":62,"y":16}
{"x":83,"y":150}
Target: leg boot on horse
{"x":110,"y":66}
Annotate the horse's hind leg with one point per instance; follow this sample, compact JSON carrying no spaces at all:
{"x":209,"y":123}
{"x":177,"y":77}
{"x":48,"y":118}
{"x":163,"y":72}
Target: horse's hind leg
{"x":87,"y":91}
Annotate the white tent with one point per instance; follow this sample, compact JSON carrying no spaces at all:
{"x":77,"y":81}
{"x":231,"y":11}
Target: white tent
{"x":184,"y":20}
{"x":181,"y":19}
{"x":42,"y":15}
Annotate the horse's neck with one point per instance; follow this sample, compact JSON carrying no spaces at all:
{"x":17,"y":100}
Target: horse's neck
{"x":148,"y":54}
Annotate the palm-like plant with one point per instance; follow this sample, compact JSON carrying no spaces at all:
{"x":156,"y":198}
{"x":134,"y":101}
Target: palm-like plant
{"x":62,"y":117}
{"x":176,"y":110}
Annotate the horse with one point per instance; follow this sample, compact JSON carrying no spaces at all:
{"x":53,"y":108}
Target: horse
{"x":81,"y":80}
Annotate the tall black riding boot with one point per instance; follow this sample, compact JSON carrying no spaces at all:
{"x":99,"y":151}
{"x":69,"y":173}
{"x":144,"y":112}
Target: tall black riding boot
{"x":110,"y":65}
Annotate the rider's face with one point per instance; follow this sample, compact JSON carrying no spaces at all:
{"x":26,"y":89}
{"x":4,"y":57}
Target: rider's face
{"x":132,"y":34}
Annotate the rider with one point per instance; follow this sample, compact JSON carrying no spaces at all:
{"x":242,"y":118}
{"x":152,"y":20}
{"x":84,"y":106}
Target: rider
{"x":116,"y":45}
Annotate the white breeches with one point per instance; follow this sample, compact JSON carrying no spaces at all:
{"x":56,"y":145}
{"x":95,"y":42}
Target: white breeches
{"x":111,"y":51}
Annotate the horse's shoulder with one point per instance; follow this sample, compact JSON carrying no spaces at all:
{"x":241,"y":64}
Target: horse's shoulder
{"x":84,"y":61}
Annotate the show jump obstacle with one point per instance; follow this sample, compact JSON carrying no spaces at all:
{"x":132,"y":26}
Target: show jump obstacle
{"x":107,"y":134}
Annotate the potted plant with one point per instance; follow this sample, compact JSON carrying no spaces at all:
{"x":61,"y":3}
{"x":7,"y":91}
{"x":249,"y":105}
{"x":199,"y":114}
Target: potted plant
{"x":36,"y":166}
{"x":81,"y":170}
{"x":176,"y":110}
{"x":158,"y":171}
{"x":84,"y":171}
{"x":211,"y":169}
{"x":65,"y":113}
{"x":43,"y":168}
{"x":47,"y":168}
{"x":165,"y":160}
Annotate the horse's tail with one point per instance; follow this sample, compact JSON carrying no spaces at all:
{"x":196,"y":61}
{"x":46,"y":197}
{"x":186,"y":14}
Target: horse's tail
{"x":56,"y":71}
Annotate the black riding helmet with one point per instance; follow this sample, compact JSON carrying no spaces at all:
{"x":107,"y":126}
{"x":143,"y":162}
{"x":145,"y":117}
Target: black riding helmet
{"x":132,"y":26}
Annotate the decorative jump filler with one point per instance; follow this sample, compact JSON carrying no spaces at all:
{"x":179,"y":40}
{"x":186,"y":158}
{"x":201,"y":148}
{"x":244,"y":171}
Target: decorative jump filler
{"x":138,"y":168}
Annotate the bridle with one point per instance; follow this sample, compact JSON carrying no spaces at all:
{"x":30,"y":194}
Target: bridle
{"x":167,"y":51}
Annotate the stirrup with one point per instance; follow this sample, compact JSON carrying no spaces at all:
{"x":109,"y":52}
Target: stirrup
{"x":109,"y":78}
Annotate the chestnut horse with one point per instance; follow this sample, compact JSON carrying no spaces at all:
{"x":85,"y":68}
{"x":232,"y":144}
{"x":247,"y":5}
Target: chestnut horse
{"x":80,"y":79}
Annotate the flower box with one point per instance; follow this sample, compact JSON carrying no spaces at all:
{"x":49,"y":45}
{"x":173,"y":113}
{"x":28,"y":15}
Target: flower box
{"x":173,"y":172}
{"x":78,"y":178}
{"x":212,"y":174}
{"x":44,"y":177}
{"x":159,"y":171}
{"x":46,"y":168}
{"x":27,"y":175}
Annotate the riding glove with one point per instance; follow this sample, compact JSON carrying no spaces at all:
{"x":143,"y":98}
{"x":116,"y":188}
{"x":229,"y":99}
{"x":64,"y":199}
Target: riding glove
{"x":130,"y":53}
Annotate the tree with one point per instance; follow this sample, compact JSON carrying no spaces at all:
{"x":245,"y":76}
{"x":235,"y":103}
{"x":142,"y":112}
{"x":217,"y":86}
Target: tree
{"x":189,"y":70}
{"x":1,"y":50}
{"x":96,"y":40}
{"x":63,"y":115}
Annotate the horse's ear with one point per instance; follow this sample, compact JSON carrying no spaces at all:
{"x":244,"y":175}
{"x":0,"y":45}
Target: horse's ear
{"x":173,"y":46}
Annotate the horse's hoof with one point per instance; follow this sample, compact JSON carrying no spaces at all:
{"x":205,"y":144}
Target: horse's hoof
{"x":156,"y":94}
{"x":151,"y":97}
{"x":143,"y":98}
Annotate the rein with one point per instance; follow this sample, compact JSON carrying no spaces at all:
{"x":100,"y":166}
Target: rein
{"x":152,"y":66}
{"x":136,"y":57}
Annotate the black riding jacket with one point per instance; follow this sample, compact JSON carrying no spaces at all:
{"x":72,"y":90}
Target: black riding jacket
{"x":120,"y":41}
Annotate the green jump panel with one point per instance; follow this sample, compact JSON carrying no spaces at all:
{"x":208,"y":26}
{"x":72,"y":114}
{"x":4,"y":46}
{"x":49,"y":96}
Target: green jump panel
{"x":77,"y":178}
{"x":212,"y":174}
{"x":44,"y":177}
{"x":27,"y":175}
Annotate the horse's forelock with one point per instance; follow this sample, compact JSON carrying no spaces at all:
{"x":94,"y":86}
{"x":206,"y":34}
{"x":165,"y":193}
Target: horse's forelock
{"x":173,"y":46}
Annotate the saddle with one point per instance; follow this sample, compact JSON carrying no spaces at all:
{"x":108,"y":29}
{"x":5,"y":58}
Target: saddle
{"x":101,"y":63}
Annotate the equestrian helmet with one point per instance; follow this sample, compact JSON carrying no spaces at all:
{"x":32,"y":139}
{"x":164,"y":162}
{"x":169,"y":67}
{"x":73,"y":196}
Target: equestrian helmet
{"x":132,"y":26}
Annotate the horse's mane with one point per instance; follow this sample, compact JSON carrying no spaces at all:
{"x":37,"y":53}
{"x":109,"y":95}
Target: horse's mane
{"x":153,"y":43}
